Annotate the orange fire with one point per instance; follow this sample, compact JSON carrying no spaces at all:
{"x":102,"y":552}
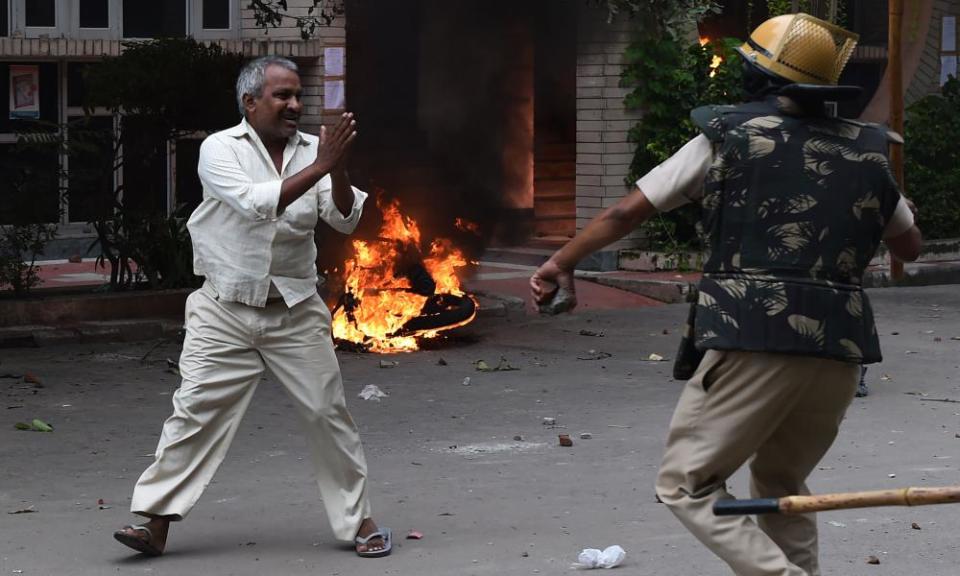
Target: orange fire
{"x":381,"y":301}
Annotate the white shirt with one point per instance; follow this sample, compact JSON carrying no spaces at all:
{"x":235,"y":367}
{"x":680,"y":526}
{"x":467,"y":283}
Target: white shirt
{"x":679,"y":180}
{"x":240,"y":244}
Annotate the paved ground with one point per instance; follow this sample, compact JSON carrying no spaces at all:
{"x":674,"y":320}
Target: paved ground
{"x":443,"y":459}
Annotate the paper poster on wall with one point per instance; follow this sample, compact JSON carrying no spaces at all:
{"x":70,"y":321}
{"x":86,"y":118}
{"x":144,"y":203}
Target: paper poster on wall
{"x":333,"y":61}
{"x":948,"y":68}
{"x":948,"y":38}
{"x":24,"y":92}
{"x":333,"y":95}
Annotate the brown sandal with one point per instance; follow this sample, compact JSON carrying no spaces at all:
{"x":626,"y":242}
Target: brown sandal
{"x":143,"y":545}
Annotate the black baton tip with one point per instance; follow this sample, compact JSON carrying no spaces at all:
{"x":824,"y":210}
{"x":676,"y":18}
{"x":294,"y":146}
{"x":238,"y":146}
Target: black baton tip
{"x":733,"y":507}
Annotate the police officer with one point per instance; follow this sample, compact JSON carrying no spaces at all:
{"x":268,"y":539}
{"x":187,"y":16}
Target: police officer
{"x":795,"y":204}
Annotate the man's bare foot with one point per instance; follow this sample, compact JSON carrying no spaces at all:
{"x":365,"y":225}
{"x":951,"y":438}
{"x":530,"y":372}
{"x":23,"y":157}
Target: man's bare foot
{"x":376,"y":546}
{"x":149,"y":538}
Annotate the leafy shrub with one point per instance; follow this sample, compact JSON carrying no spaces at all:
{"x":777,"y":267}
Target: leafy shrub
{"x":932,"y":161}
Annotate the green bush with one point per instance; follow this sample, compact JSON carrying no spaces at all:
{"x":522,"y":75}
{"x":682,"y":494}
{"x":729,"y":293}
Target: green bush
{"x":669,"y":79}
{"x":932,"y":161}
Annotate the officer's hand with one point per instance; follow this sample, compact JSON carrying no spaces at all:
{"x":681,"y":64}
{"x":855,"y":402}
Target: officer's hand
{"x":547,"y":279}
{"x":335,"y":144}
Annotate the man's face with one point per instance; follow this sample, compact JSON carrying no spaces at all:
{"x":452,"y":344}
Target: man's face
{"x":275,"y":115}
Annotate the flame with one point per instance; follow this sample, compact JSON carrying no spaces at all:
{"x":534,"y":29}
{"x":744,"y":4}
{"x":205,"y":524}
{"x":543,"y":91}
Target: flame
{"x":714,"y":64}
{"x":704,"y":40}
{"x":380,"y":302}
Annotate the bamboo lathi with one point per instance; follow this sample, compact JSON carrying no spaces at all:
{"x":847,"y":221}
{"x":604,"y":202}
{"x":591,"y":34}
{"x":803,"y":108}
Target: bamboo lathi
{"x":839,"y":501}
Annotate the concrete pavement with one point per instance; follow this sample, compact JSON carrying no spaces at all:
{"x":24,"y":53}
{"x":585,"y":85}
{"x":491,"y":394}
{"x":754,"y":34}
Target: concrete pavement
{"x":444,"y":461}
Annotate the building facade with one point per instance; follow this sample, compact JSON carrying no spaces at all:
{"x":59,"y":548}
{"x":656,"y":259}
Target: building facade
{"x":45,"y":45}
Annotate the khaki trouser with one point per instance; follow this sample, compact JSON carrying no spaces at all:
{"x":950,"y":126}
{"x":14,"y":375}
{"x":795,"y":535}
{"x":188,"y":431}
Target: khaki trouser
{"x":782,"y":410}
{"x":226,"y":349}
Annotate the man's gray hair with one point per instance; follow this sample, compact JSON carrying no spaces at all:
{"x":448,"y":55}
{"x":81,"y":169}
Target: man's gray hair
{"x":252,"y":76}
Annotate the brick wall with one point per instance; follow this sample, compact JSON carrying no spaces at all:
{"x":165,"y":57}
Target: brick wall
{"x":603,"y":153}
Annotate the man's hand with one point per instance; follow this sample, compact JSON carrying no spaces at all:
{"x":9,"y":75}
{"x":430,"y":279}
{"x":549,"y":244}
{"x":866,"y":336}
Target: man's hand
{"x":335,"y":144}
{"x":548,"y":279}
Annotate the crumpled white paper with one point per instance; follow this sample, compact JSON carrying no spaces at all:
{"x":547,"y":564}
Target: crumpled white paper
{"x":372,"y":392}
{"x":610,"y":557}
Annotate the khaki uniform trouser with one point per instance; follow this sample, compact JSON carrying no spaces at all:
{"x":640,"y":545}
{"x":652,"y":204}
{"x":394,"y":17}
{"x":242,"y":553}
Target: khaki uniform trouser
{"x":226,"y":349}
{"x":782,"y":410}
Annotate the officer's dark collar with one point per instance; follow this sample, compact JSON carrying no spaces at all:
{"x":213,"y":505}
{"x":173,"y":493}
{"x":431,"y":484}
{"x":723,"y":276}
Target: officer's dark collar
{"x":809,"y":92}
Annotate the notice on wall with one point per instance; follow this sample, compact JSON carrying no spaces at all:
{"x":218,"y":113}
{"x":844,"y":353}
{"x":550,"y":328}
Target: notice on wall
{"x":333,"y":95}
{"x":333,"y":61}
{"x":24,"y":92}
{"x":948,"y":67}
{"x":948,"y":37}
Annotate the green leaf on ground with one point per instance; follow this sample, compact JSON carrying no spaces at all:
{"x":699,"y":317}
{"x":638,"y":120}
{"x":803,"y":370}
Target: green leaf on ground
{"x":41,"y":426}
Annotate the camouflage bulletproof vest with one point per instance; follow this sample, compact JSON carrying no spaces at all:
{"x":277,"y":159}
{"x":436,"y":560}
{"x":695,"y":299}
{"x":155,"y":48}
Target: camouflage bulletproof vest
{"x":794,"y":209}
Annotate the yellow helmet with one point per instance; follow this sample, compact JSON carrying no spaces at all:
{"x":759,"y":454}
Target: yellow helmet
{"x":800,"y":48}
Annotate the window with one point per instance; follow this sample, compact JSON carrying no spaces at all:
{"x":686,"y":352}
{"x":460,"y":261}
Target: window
{"x":36,"y":18}
{"x":213,"y":19}
{"x":189,"y":190}
{"x":94,"y":14}
{"x":870,"y":19}
{"x":154,"y":19}
{"x":40,"y":14}
{"x":90,"y":168}
{"x":216,"y":14}
{"x":4,"y":18}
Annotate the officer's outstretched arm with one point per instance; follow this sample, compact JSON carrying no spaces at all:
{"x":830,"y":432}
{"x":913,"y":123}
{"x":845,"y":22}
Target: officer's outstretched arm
{"x":608,"y":226}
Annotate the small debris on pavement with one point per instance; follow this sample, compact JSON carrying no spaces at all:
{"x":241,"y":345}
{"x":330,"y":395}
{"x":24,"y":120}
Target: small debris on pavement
{"x":502,"y":366}
{"x":617,"y":426}
{"x":518,"y":438}
{"x":915,"y":526}
{"x":414,"y":535}
{"x":836,"y":524}
{"x":955,"y":337}
{"x":173,"y":367}
{"x":466,"y":381}
{"x":595,"y":355}
{"x":37,"y":425}
{"x":885,"y":377}
{"x":28,"y":510}
{"x":655,"y":358}
{"x":548,"y":421}
{"x":75,"y":259}
{"x":31,"y":378}
{"x":389,"y":363}
{"x":585,"y":435}
{"x":565,"y":440}
{"x":591,"y":333}
{"x":891,"y":475}
{"x":873,"y":560}
{"x":591,"y":558}
{"x":441,"y":362}
{"x":372,"y":392}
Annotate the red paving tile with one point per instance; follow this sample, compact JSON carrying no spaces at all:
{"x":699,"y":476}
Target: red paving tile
{"x":491,"y":279}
